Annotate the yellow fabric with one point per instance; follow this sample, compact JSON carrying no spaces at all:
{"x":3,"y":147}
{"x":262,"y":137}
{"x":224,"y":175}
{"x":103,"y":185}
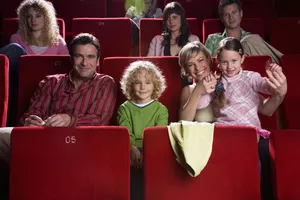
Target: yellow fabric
{"x":192,"y":144}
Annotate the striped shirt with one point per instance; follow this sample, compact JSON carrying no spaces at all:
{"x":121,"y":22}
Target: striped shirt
{"x":91,"y":104}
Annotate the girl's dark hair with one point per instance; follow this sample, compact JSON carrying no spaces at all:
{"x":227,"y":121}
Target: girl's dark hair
{"x":230,"y":43}
{"x":170,"y":8}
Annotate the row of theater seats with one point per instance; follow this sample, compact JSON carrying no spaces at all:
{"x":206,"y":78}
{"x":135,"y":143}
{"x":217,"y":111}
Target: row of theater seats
{"x":74,"y":163}
{"x":114,"y":66}
{"x":113,"y":43}
{"x":200,"y":9}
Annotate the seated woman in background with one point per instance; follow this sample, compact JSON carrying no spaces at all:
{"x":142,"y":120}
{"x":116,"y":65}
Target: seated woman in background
{"x":196,"y":62}
{"x":138,"y":9}
{"x":38,"y":34}
{"x":175,"y":35}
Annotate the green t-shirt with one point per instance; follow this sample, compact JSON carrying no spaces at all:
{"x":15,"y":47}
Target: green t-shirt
{"x":136,"y":119}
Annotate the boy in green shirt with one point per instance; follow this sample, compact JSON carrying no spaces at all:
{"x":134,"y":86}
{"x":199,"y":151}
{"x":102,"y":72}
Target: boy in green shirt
{"x":142,"y":83}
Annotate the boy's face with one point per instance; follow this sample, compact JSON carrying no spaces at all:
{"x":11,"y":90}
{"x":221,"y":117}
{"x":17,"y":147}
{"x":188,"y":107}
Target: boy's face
{"x":231,"y":16}
{"x":142,"y":88}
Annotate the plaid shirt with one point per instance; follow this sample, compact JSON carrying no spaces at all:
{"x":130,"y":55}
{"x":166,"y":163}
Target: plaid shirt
{"x":242,"y":99}
{"x":91,"y":104}
{"x":213,"y":40}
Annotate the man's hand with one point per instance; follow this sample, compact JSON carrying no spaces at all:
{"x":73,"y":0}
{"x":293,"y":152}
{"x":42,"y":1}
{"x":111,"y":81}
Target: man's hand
{"x":58,"y":120}
{"x":34,"y":120}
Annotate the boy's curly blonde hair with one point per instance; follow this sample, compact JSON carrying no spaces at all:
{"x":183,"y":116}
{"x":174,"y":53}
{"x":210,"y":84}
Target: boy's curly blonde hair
{"x":50,"y":32}
{"x":136,"y":68}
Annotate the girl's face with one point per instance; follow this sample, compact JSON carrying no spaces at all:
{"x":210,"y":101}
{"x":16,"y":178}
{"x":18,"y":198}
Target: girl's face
{"x":174,"y":22}
{"x":35,"y":20}
{"x":198,"y":66}
{"x":230,"y":62}
{"x":142,"y":88}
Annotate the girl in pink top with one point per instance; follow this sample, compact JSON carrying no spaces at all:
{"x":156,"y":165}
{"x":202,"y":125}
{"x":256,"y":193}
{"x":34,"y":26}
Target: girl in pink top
{"x":240,"y":102}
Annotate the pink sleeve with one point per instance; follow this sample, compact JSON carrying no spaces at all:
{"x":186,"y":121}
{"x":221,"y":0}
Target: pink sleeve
{"x":152,"y":47}
{"x":62,"y":47}
{"x":15,"y":38}
{"x":204,"y":101}
{"x":259,"y":84}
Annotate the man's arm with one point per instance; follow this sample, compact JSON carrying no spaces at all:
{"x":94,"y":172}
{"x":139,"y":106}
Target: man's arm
{"x":40,"y":101}
{"x":210,"y":43}
{"x":101,"y":110}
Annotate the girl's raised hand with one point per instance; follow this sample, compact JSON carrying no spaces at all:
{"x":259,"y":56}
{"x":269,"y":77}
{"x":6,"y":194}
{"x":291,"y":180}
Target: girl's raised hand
{"x":276,"y":79}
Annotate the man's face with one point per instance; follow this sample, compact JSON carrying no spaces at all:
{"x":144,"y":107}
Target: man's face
{"x":232,"y":16}
{"x":85,"y":61}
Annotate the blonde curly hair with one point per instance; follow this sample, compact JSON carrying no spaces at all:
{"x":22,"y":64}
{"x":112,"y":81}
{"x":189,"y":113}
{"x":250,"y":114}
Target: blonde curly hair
{"x":50,"y":33}
{"x":136,"y":68}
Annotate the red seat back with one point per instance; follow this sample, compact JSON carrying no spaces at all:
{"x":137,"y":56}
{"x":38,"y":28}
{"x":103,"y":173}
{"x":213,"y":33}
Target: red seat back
{"x":41,"y":66}
{"x":229,"y":174}
{"x":291,"y":101}
{"x":280,"y":35}
{"x":4,"y":72}
{"x":285,"y":157}
{"x":69,"y":163}
{"x":169,"y":66}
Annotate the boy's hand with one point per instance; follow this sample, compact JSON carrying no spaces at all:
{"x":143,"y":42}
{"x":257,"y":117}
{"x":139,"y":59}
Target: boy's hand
{"x":136,"y":157}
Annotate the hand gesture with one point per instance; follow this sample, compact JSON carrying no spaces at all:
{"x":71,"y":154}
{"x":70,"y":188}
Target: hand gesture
{"x":34,"y":120}
{"x":276,"y":79}
{"x":58,"y":120}
{"x":210,"y":82}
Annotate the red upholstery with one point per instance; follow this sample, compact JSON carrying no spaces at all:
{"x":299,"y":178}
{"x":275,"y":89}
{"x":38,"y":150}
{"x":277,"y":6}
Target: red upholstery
{"x":285,"y":155}
{"x":200,"y":9}
{"x":4,"y":68}
{"x":291,"y":105}
{"x":69,"y":163}
{"x":280,"y":35}
{"x":116,"y":8}
{"x":107,"y":30}
{"x":288,"y":8}
{"x":11,"y":27}
{"x":258,"y":64}
{"x":232,"y":171}
{"x":171,"y":70}
{"x":253,"y":25}
{"x":69,"y":9}
{"x":150,"y":27}
{"x":33,"y":69}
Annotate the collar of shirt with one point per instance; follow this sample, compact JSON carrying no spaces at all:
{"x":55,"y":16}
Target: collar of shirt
{"x":83,"y":85}
{"x":243,"y":32}
{"x":231,"y":79}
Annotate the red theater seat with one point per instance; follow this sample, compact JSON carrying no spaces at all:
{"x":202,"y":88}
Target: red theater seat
{"x":11,"y":27}
{"x":171,"y":70}
{"x":258,"y":64}
{"x":114,"y":34}
{"x":33,"y":69}
{"x":200,"y":9}
{"x":253,"y":25}
{"x":152,"y":27}
{"x":69,"y":163}
{"x":280,"y":35}
{"x":285,"y":156}
{"x":69,"y":9}
{"x":232,"y":172}
{"x":4,"y":69}
{"x":290,"y":64}
{"x":288,"y":8}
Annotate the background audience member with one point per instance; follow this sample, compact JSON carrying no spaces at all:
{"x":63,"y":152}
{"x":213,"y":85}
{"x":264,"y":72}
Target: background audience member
{"x":231,"y":14}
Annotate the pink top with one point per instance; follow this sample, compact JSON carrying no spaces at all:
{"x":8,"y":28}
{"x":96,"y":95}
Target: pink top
{"x":157,"y":49}
{"x":242,"y":99}
{"x":61,"y":48}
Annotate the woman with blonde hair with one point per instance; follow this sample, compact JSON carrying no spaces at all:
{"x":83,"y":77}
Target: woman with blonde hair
{"x":38,"y":34}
